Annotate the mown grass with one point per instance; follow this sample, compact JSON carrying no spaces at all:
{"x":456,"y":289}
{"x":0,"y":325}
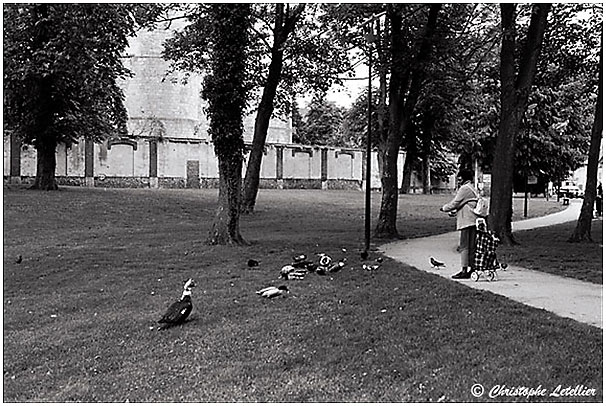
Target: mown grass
{"x":100,"y":267}
{"x":547,"y":250}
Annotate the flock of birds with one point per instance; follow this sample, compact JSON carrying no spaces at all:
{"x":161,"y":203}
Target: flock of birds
{"x":178,"y":312}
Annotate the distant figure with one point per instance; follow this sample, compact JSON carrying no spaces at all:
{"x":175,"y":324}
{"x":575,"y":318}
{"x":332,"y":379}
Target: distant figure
{"x":598,"y":200}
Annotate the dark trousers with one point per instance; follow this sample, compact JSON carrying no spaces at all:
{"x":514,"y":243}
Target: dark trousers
{"x":467,"y":245}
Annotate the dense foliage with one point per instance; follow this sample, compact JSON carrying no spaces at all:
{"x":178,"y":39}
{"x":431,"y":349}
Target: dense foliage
{"x":62,"y":64}
{"x":322,"y":124}
{"x":61,"y":70}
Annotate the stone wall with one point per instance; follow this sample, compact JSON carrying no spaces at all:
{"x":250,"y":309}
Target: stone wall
{"x":192,"y":163}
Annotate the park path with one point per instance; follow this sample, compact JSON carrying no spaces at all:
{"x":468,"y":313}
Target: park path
{"x":566,"y":297}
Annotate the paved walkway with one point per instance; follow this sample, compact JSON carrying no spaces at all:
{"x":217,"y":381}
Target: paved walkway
{"x":565,"y":297}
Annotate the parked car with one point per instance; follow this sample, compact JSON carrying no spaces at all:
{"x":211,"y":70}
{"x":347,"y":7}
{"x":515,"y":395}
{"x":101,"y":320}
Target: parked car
{"x":570,"y":190}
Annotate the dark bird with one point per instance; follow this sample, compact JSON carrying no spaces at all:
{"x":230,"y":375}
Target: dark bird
{"x":435,"y":263}
{"x":271,"y":291}
{"x":177,"y":312}
{"x":252,"y":263}
{"x":19,"y":259}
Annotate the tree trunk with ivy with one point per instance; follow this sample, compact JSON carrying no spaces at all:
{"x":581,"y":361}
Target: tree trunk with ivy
{"x":514,"y":99}
{"x":226,"y":94}
{"x":582,"y":231}
{"x":226,"y":226}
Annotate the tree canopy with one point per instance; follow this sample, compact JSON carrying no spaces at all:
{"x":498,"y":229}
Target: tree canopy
{"x":62,"y":64}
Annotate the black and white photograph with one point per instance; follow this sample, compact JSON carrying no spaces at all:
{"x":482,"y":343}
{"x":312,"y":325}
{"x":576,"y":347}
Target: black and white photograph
{"x":303,"y":202}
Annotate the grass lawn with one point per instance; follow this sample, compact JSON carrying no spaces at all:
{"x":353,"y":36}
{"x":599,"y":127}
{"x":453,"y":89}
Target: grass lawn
{"x":547,"y":250}
{"x":101,"y":266}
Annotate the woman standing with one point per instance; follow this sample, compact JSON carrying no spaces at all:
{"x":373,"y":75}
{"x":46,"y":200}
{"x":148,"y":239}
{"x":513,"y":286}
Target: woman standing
{"x":462,"y":206}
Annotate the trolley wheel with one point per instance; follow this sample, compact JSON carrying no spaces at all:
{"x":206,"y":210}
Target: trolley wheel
{"x":475,"y":276}
{"x":491,"y":276}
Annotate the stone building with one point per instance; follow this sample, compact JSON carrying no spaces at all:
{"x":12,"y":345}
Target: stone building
{"x":169,"y":147}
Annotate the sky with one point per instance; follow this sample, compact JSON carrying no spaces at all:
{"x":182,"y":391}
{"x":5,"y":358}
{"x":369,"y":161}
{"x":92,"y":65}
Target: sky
{"x":344,"y":96}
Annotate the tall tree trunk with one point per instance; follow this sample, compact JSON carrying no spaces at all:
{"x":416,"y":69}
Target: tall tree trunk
{"x":416,"y":86}
{"x":410,"y":145}
{"x":46,"y":140}
{"x":284,"y":25}
{"x":426,"y":175}
{"x":386,"y":223}
{"x":46,"y":164}
{"x":400,"y":113}
{"x":382,"y":108}
{"x":266,"y":108}
{"x":514,"y":99}
{"x":407,"y":170}
{"x":427,"y":134}
{"x":582,"y":231}
{"x":46,"y":147}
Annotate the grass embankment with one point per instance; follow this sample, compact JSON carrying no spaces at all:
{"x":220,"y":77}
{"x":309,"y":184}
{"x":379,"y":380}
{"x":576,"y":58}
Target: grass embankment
{"x":100,"y":267}
{"x":547,"y":250}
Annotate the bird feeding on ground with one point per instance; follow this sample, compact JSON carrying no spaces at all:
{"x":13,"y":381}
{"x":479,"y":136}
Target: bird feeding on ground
{"x":177,"y":312}
{"x":325,"y":260}
{"x":271,"y":291}
{"x":337,"y":266}
{"x":290,"y":272}
{"x":435,"y":263}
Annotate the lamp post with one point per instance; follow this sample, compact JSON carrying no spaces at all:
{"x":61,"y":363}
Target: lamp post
{"x":370,"y":39}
